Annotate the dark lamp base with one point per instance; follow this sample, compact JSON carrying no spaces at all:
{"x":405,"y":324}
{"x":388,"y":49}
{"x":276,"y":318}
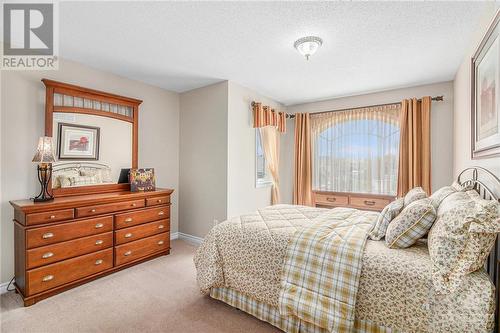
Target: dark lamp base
{"x":44,"y":177}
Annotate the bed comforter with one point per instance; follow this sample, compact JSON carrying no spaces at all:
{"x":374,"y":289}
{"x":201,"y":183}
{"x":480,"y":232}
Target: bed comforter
{"x":249,"y":253}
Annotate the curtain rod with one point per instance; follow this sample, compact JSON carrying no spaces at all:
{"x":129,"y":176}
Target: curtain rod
{"x":291,"y":115}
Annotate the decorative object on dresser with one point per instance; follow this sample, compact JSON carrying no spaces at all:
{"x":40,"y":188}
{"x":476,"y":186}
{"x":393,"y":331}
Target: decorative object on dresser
{"x":142,"y":179}
{"x":72,"y":240}
{"x":44,"y":156}
{"x":374,"y":202}
{"x":485,"y":79}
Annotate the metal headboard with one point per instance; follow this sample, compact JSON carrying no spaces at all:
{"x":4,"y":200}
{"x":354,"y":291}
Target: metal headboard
{"x":488,"y":187}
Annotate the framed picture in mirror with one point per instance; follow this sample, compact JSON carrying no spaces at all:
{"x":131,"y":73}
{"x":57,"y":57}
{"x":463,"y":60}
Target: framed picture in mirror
{"x":78,"y":142}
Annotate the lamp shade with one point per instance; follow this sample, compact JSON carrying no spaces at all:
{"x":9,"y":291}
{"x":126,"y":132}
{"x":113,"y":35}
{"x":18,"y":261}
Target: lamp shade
{"x":45,"y":151}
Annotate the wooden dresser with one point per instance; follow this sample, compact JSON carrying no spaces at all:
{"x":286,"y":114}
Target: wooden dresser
{"x":72,"y":240}
{"x":353,"y":200}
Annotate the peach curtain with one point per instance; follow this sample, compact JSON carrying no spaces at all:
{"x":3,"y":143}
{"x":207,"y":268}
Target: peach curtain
{"x":302,"y":189}
{"x":271,"y":144}
{"x":264,"y":115}
{"x":415,"y":145}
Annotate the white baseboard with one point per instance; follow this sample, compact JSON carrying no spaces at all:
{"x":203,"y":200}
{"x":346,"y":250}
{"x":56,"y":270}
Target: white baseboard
{"x":3,"y":287}
{"x":190,"y":238}
{"x":174,"y":235}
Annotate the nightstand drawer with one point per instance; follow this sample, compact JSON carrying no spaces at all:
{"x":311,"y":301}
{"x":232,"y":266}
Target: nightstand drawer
{"x":47,"y":217}
{"x":67,"y":231}
{"x":370,"y":203}
{"x":141,"y":248}
{"x":56,"y":252}
{"x":144,"y":230}
{"x":47,"y":277}
{"x":142,"y":216}
{"x":331,"y":199}
{"x":108,"y":208}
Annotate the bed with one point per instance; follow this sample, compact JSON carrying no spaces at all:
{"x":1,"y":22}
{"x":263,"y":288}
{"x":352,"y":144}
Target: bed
{"x":245,"y":262}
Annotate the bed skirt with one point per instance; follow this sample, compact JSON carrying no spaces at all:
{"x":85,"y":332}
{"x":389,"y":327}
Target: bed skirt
{"x":289,"y":324}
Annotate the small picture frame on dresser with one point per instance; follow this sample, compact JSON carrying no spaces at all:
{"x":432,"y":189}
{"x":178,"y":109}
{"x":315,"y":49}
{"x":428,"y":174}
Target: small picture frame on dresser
{"x":142,"y":180}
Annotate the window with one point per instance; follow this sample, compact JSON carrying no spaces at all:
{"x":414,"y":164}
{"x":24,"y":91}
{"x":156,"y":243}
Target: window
{"x":356,"y":151}
{"x":262,"y":175}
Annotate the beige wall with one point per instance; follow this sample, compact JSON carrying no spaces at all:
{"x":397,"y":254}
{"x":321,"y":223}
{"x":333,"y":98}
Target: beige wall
{"x":242,"y":194}
{"x":22,"y":122}
{"x":203,"y":158}
{"x":441,"y":120}
{"x":462,"y":118}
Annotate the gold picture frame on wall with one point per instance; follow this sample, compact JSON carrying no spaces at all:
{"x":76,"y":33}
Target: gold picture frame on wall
{"x":485,"y":94}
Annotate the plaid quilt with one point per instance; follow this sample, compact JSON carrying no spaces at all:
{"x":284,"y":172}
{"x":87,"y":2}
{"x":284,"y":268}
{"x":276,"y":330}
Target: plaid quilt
{"x":322,"y":269}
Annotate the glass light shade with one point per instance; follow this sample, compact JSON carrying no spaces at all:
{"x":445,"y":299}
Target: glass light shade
{"x":307,"y":46}
{"x":45,"y":151}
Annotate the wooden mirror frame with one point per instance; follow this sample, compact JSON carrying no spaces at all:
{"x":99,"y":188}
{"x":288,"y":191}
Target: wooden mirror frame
{"x":55,"y":87}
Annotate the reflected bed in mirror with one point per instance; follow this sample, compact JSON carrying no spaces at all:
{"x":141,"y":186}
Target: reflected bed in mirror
{"x":81,"y":174}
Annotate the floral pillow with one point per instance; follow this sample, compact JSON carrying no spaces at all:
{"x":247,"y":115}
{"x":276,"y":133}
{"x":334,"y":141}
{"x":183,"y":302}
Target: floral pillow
{"x":414,"y":194}
{"x":386,"y":216}
{"x":462,"y":237}
{"x":411,"y":224}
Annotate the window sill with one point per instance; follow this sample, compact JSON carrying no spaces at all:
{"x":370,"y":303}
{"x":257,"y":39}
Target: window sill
{"x":261,"y":184}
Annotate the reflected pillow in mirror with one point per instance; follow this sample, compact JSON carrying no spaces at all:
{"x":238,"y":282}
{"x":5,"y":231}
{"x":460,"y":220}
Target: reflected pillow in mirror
{"x":61,"y":179}
{"x":83,"y":180}
{"x":103,"y":175}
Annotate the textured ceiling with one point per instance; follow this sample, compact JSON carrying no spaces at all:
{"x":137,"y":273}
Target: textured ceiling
{"x":368,"y":46}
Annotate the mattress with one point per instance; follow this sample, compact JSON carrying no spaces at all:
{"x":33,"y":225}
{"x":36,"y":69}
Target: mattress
{"x":245,"y":254}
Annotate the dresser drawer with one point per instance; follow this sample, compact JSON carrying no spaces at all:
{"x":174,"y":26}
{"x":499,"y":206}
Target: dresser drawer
{"x":47,"y":217}
{"x":67,"y":231}
{"x":141,"y":248}
{"x":56,"y":252}
{"x":158,"y":201}
{"x":331,"y":199}
{"x":142,"y":216}
{"x":369,"y":202}
{"x":144,"y":230}
{"x":47,"y":277}
{"x":108,"y":208}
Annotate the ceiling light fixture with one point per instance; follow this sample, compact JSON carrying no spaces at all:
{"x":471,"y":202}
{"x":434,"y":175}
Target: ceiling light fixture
{"x":307,"y":46}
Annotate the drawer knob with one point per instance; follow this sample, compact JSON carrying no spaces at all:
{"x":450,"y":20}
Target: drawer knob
{"x":47,"y":255}
{"x":331,"y":199}
{"x":52,"y":217}
{"x":99,"y":225}
{"x":127,"y":253}
{"x":161,"y":213}
{"x":99,"y":261}
{"x":159,"y":201}
{"x":161,"y":226}
{"x":47,"y":278}
{"x":99,"y":242}
{"x":47,"y":235}
{"x":369,"y":202}
{"x":134,"y":204}
{"x":92,"y":210}
{"x":128,"y":235}
{"x":128,"y":219}
{"x":160,"y":242}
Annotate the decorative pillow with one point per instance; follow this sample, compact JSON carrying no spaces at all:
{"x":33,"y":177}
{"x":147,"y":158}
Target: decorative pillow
{"x":62,"y":178}
{"x":386,"y":216}
{"x":83,"y":180}
{"x":438,"y":196}
{"x":414,"y":194}
{"x":103,"y":175}
{"x":411,"y":224}
{"x":462,"y":237}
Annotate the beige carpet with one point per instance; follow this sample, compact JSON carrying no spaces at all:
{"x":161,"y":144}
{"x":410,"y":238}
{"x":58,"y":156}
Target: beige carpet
{"x":157,"y":296}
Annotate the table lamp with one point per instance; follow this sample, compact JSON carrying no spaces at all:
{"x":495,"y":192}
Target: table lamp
{"x":44,"y":156}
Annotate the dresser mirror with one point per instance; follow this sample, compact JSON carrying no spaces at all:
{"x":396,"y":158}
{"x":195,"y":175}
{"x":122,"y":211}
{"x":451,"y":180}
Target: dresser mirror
{"x":95,"y":138}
